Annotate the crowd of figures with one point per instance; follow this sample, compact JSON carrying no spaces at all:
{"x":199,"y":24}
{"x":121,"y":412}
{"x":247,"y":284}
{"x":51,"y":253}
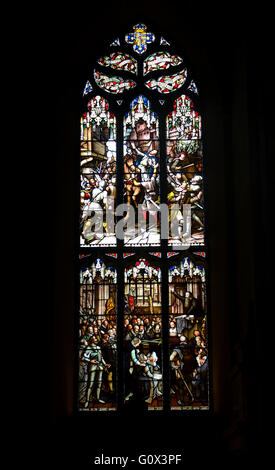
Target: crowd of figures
{"x":188,"y":359}
{"x":97,"y":370}
{"x":98,"y":354}
{"x":189,"y":370}
{"x":141,"y":180}
{"x":142,"y":358}
{"x":188,"y":350}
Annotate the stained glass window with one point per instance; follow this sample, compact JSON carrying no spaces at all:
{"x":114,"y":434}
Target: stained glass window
{"x":143,"y":319}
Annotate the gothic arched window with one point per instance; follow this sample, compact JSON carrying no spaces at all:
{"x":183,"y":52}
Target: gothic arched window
{"x":143,"y":308}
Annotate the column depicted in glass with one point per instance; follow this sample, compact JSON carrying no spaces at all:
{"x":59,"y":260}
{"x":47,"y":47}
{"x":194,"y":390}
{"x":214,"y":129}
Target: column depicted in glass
{"x":188,"y":334}
{"x":98,"y":174}
{"x":141,"y":174}
{"x":97,"y":338}
{"x":143,"y":334}
{"x":184,"y":171}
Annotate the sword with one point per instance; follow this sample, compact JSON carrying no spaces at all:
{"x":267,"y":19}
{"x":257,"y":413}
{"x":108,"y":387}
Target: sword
{"x":155,"y":341}
{"x":187,"y":166}
{"x":198,"y":205}
{"x":153,"y":202}
{"x":182,"y":378}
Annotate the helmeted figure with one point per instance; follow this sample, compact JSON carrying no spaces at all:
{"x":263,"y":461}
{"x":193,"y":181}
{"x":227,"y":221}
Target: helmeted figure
{"x":181,"y":378}
{"x":152,"y":371}
{"x":93,"y":356}
{"x":195,"y":199}
{"x":177,"y":199}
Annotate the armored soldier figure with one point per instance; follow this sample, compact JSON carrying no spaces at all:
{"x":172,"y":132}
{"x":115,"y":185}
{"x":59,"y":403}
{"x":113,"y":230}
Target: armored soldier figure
{"x":152,"y":370}
{"x":96,"y":363}
{"x":178,"y":196}
{"x":195,"y":199}
{"x":180,"y":375}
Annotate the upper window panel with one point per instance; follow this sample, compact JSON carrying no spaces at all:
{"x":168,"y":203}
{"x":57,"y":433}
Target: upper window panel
{"x":184,"y":171}
{"x":98,"y":174}
{"x":141,"y":174}
{"x":139,"y":66}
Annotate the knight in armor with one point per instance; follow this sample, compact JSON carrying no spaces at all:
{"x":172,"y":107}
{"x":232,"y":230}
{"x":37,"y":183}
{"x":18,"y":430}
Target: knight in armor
{"x":152,"y":370}
{"x":178,"y":197}
{"x":96,"y":365}
{"x":181,"y":365}
{"x":195,"y":199}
